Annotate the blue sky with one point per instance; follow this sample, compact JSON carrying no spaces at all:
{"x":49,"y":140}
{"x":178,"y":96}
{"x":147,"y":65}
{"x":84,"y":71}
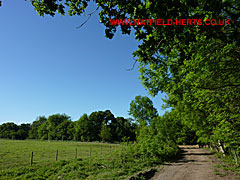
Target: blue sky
{"x":48,"y":66}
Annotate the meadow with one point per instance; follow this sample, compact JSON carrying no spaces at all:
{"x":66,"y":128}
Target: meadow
{"x":94,"y":160}
{"x":17,"y":153}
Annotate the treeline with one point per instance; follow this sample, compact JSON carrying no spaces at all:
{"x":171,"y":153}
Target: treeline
{"x":98,"y":126}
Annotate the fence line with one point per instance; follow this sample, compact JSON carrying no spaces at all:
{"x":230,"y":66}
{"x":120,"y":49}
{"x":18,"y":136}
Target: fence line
{"x":76,"y":153}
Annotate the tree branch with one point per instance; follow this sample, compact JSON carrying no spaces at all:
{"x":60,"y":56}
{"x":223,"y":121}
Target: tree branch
{"x":89,"y":15}
{"x":132,"y":66}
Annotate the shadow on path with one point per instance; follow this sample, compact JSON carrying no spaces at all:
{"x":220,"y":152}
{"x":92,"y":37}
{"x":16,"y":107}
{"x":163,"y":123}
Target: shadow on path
{"x":188,"y":156}
{"x":181,"y":157}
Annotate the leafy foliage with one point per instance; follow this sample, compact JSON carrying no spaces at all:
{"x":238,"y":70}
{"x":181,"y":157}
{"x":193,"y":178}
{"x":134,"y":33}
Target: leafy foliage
{"x":98,"y":126}
{"x":142,"y":110}
{"x":33,"y":133}
{"x":12,"y":131}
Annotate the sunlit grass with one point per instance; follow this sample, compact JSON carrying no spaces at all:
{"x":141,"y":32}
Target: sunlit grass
{"x":17,"y":153}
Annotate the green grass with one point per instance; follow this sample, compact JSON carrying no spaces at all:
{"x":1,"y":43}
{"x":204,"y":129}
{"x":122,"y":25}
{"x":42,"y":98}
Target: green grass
{"x":17,"y":153}
{"x":227,"y":165}
{"x":117,"y":162}
{"x":89,"y":168}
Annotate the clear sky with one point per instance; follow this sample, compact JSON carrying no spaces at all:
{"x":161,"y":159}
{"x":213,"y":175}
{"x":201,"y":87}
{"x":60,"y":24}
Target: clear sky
{"x":48,"y":66}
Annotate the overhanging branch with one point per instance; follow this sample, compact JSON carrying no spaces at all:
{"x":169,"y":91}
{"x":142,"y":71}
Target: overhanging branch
{"x":132,"y":66}
{"x":89,"y":15}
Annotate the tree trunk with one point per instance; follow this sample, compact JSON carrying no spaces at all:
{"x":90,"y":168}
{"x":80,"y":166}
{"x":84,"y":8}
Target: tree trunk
{"x":236,"y":158}
{"x":221,"y":147}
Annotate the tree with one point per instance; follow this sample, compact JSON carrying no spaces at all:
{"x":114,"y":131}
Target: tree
{"x":122,"y":129}
{"x":33,"y":133}
{"x":97,"y":119}
{"x":83,"y":128}
{"x":8,"y":130}
{"x":64,"y":130}
{"x":23,"y":131}
{"x":171,"y":128}
{"x":105,"y":133}
{"x":53,"y":122}
{"x":43,"y":131}
{"x":141,"y":108}
{"x":48,"y":129}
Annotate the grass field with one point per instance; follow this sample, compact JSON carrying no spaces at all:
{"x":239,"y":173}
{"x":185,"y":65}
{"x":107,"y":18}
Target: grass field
{"x":95,"y":161}
{"x":17,"y":153}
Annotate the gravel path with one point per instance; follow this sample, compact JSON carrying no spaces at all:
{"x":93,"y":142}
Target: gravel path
{"x":195,"y":165}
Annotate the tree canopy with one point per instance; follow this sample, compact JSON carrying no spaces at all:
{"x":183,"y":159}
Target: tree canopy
{"x":142,"y":109}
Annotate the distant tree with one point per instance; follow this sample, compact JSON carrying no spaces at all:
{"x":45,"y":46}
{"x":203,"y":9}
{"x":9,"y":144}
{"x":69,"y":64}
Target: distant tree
{"x":43,"y":131}
{"x":52,"y":122}
{"x":123,"y":129}
{"x":83,"y":128}
{"x":97,"y":119}
{"x":8,"y":130}
{"x":105,"y":133}
{"x":48,"y":129}
{"x":13,"y":131}
{"x":142,"y":109}
{"x":33,"y":133}
{"x":63,"y":130}
{"x":71,"y":131}
{"x":23,"y":131}
{"x":111,"y":129}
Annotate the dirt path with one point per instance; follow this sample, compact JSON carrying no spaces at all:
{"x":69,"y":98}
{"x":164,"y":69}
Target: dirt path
{"x":195,"y":165}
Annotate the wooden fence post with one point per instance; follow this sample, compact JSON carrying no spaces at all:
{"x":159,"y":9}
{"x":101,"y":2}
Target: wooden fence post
{"x":31,"y":160}
{"x":90,"y":151}
{"x":56,"y":155}
{"x":76,"y":154}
